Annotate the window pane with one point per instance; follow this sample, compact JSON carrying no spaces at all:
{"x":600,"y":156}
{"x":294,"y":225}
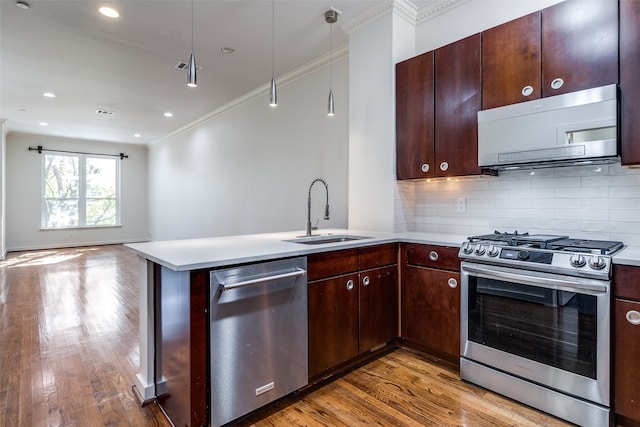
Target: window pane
{"x":61,"y":176}
{"x":61,"y":213}
{"x":101,"y":178}
{"x":101,"y":211}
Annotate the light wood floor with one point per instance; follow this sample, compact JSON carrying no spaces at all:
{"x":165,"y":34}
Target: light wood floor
{"x":69,"y":354}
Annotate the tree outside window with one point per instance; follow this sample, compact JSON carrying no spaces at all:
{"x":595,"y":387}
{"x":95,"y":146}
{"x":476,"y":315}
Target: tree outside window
{"x":80,"y":191}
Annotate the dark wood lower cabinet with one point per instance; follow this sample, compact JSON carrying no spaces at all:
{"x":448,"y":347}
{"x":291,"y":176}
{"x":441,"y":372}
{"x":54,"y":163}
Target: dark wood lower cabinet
{"x":431,"y":310}
{"x":626,"y":360}
{"x":333,"y":322}
{"x":378,"y":317}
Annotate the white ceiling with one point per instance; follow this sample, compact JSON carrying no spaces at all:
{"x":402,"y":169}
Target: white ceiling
{"x":126,"y":65}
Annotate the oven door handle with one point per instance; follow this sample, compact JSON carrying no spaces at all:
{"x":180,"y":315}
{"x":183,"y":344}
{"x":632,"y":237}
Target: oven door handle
{"x":561,"y":284}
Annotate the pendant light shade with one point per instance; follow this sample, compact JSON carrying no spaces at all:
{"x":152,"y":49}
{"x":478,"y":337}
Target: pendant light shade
{"x":192,"y":79}
{"x":330,"y":109}
{"x":273,"y":94}
{"x":330,"y":17}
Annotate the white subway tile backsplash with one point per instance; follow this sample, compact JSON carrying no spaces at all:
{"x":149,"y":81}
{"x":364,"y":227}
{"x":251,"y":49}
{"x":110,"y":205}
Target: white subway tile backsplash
{"x":596,"y":202}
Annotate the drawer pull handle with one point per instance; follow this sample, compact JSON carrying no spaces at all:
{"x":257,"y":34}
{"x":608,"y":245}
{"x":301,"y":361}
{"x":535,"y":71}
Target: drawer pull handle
{"x":365,"y":281}
{"x":453,"y":283}
{"x":433,"y":256}
{"x":444,"y":166}
{"x":633,"y":317}
{"x":557,"y":83}
{"x":425,"y":167}
{"x":527,"y":90}
{"x":349,"y":284}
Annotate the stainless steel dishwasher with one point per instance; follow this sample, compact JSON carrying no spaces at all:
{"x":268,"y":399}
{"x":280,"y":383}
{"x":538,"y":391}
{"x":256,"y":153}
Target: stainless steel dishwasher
{"x":259,"y":342}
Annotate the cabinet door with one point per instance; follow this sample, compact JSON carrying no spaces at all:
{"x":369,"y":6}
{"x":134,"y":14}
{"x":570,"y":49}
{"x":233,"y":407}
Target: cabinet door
{"x":629,"y":87}
{"x":511,"y":62}
{"x":579,"y":45}
{"x":627,"y":362}
{"x":431,"y":309}
{"x":414,"y":117}
{"x":457,"y":102}
{"x":378,"y":307}
{"x":333,"y":322}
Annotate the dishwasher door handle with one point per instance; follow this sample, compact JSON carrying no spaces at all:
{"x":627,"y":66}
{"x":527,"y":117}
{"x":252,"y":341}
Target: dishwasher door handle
{"x":296,"y":273}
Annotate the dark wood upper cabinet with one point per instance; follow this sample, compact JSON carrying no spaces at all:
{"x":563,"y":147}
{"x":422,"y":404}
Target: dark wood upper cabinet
{"x":457,"y":102}
{"x":511,"y":62}
{"x":414,"y":117}
{"x":629,"y":87}
{"x":564,"y":48}
{"x":579,"y":45}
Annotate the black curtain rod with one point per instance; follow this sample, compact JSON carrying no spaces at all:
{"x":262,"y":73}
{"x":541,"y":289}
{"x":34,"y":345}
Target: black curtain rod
{"x":40,"y":149}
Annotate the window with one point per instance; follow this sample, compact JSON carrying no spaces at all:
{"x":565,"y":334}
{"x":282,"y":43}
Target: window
{"x":80,"y":191}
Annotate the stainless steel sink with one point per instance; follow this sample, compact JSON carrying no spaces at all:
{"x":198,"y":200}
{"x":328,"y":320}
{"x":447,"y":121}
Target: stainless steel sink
{"x":330,"y":238}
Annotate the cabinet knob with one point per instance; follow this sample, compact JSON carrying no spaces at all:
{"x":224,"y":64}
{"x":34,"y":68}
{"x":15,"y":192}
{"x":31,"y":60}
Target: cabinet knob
{"x":633,"y":317}
{"x":433,"y":256}
{"x":349,"y":284}
{"x":365,"y":281}
{"x":444,"y":166}
{"x":557,"y":83}
{"x":425,"y":167}
{"x":453,"y":283}
{"x":527,"y":90}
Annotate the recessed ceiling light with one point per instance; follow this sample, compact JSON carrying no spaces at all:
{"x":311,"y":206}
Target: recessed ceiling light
{"x":22,"y":4}
{"x":109,"y":12}
{"x":44,"y":124}
{"x":227,"y":50}
{"x":49,"y":95}
{"x":137,"y":135}
{"x":168,"y":114}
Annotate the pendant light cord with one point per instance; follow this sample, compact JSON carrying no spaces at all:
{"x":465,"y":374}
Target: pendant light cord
{"x":273,"y":38}
{"x":331,"y":56}
{"x":191,"y":26}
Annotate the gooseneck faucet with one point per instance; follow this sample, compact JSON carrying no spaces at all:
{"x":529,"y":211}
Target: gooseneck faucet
{"x":326,"y":206}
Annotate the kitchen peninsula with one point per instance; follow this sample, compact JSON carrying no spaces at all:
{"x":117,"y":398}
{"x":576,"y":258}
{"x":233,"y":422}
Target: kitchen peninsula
{"x":187,"y":264}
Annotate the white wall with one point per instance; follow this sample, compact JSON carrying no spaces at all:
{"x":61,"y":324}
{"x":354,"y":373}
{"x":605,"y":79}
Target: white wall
{"x":248,"y":169}
{"x":24,"y":195}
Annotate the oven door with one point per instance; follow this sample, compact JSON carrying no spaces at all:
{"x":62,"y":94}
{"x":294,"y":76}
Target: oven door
{"x":550,"y":329}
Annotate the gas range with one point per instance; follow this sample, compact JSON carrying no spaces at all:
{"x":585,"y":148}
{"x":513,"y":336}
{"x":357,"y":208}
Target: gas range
{"x":541,"y":252}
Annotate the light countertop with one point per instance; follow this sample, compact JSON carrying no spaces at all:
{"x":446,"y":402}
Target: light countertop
{"x":213,"y":252}
{"x":193,"y":254}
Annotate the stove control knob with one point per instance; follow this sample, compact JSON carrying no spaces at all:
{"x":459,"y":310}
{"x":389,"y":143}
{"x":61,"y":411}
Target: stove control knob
{"x":577,"y":260}
{"x":523,"y":255}
{"x":493,"y":251}
{"x":597,"y":263}
{"x":467,"y":248}
{"x":480,"y":250}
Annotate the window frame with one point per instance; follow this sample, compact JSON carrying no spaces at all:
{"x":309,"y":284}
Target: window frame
{"x":82,"y":191}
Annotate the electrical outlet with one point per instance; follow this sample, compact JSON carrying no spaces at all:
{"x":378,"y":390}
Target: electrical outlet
{"x":461,"y":205}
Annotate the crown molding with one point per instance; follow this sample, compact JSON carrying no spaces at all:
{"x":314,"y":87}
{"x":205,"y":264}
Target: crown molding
{"x":263,"y":91}
{"x":381,"y":9}
{"x":437,"y":8}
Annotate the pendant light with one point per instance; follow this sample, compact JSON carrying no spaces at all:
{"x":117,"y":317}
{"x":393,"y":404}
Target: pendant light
{"x":330,"y":16}
{"x":192,"y":80}
{"x":273,"y":95}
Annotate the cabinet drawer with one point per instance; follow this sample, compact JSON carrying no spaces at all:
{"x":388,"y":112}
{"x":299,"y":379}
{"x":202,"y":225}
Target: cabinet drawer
{"x":377,"y":256}
{"x":432,"y":256}
{"x":626,"y":281}
{"x":334,"y":263}
{"x":626,"y":362}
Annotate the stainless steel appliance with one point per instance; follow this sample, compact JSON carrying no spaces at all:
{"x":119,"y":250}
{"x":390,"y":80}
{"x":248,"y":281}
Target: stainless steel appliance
{"x":259,"y":343}
{"x":535,"y":321}
{"x":572,"y":128}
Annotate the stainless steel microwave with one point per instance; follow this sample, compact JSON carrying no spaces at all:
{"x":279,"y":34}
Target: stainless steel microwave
{"x":573,"y":128}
